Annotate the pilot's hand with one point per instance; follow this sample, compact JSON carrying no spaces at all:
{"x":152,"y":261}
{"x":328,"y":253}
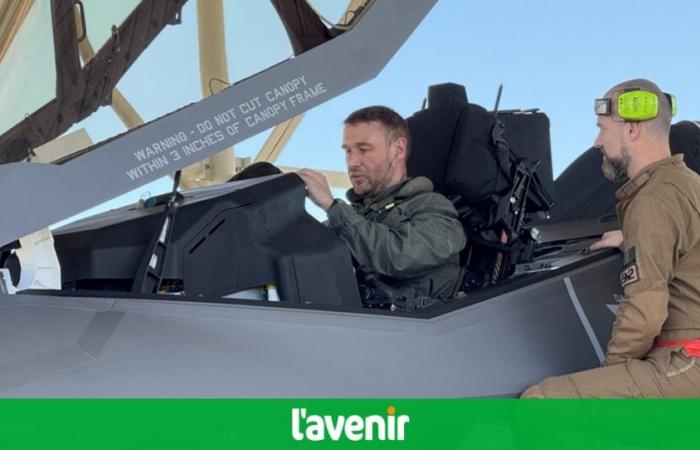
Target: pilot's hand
{"x":609,"y":239}
{"x":317,"y":187}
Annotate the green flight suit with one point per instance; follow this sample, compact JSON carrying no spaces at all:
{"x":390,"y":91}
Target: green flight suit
{"x":409,"y":237}
{"x":659,"y":210}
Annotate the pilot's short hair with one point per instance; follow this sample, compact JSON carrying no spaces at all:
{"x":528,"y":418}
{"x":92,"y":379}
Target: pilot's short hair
{"x":392,"y":121}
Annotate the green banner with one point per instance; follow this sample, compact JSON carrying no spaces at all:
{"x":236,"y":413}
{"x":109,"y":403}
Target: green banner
{"x":349,"y":424}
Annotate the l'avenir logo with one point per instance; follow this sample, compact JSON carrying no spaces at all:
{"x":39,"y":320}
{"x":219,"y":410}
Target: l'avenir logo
{"x":314,"y":427}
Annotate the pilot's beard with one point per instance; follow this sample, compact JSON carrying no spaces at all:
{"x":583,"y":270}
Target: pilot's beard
{"x":375,"y":186}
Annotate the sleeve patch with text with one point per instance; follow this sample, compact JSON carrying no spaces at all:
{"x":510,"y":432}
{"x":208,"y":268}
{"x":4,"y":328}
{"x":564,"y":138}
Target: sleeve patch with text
{"x":629,"y":274}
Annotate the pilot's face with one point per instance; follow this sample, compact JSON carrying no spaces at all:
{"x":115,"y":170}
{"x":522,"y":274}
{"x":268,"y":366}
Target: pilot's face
{"x":370,"y":157}
{"x":610,"y":142}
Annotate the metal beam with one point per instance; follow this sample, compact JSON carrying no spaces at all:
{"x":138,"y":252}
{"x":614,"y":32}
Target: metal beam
{"x":213,"y":69}
{"x":352,"y":12}
{"x":304,"y":26}
{"x":99,"y":77}
{"x":195,"y":131}
{"x":68,"y":145}
{"x":121,"y":106}
{"x":65,"y":45}
{"x":62,"y":147}
{"x":12,"y":16}
{"x":278,"y":139}
{"x":126,"y":113}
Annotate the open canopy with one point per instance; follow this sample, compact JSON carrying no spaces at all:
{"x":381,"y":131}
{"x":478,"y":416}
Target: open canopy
{"x":196,"y":131}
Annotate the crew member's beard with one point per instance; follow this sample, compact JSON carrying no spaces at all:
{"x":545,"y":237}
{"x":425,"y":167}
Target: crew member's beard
{"x":615,"y":169}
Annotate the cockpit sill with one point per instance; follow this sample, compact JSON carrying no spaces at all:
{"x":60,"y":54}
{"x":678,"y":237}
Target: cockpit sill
{"x":572,"y":256}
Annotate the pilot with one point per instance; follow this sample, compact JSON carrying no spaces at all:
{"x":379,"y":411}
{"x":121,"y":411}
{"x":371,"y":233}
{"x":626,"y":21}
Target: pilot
{"x":398,"y":230}
{"x":656,"y":335}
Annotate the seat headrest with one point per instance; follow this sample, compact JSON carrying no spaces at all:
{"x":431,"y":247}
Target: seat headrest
{"x":451,"y":145}
{"x":447,"y":95}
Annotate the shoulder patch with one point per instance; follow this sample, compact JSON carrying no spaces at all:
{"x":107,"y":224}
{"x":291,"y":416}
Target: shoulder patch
{"x":630,"y":274}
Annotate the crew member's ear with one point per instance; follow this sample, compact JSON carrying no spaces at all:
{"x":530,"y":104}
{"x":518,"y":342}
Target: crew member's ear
{"x":634,"y":130}
{"x":400,"y":148}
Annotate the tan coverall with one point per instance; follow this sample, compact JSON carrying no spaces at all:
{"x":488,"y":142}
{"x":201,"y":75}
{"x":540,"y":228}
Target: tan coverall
{"x":659,"y":210}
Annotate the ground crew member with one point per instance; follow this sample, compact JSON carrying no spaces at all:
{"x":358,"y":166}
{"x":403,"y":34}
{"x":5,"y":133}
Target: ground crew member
{"x":397,"y":228}
{"x":656,"y":335}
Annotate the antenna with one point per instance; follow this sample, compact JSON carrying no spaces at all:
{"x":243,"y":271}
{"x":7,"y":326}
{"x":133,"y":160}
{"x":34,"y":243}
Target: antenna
{"x":498,"y":99}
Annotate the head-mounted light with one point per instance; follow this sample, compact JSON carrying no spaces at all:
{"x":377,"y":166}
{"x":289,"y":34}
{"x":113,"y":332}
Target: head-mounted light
{"x":634,"y":105}
{"x":603,"y":106}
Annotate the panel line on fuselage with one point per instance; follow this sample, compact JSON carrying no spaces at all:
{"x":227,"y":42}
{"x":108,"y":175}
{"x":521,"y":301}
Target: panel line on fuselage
{"x":584,"y":320}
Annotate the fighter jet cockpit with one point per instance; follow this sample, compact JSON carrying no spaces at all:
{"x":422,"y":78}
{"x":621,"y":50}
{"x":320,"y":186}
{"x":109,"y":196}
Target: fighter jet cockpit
{"x":254,"y":240}
{"x":217,"y":288}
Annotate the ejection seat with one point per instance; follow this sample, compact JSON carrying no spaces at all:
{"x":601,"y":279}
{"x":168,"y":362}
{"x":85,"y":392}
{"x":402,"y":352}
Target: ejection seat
{"x":495,"y":167}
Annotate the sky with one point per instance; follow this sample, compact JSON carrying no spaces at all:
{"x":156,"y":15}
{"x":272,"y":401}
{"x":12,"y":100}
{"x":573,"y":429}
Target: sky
{"x":553,"y":55}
